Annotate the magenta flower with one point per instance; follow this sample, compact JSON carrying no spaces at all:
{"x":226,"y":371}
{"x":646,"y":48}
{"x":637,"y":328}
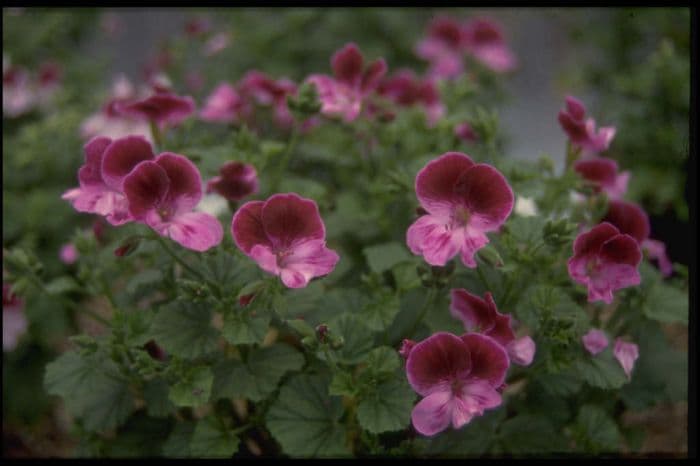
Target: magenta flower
{"x":484,"y":40}
{"x":626,"y":353}
{"x":631,"y":219}
{"x":286,"y":237}
{"x":225,"y":105}
{"x":265,"y":91}
{"x":236,"y":181}
{"x":162,"y":108}
{"x":463,"y":201}
{"x":107,"y":162}
{"x":582,"y":132}
{"x":14,"y":322}
{"x":216,"y":44}
{"x":602,"y":173}
{"x":458,"y":378}
{"x":595,"y":341}
{"x":18,"y":96}
{"x":605,"y":260}
{"x":405,"y":89}
{"x":465,"y":132}
{"x":444,"y":48}
{"x":344,"y":94}
{"x":481,"y":316}
{"x":68,"y":253}
{"x":162,"y":193}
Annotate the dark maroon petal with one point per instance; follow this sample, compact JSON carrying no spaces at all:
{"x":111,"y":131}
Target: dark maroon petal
{"x":487,"y":195}
{"x":185,"y":181}
{"x":146,"y":187}
{"x":599,"y":171}
{"x":489,"y":359}
{"x":482,"y":32}
{"x":477,"y":314}
{"x":237,"y":181}
{"x":435,"y":183}
{"x":590,"y":242}
{"x":374,"y":73}
{"x":446,"y":30}
{"x":621,"y":249}
{"x":629,"y":218}
{"x":347,"y":65}
{"x":289,"y":218}
{"x":575,"y":108}
{"x":247,"y":228}
{"x":122,"y":156}
{"x":91,"y":172}
{"x":502,"y":331}
{"x":161,"y":108}
{"x":436,"y":362}
{"x":576,"y":130}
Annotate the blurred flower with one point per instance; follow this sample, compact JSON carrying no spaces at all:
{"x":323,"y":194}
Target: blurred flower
{"x":484,"y":40}
{"x":22,"y":92}
{"x":217,"y":43}
{"x":161,"y":108}
{"x":265,"y":91}
{"x":14,"y":322}
{"x":225,"y":105}
{"x":605,"y":260}
{"x":406,"y":347}
{"x":595,"y":341}
{"x":443,"y":47}
{"x":465,"y":132}
{"x":602,"y":173}
{"x":68,"y":254}
{"x":196,"y":27}
{"x":525,"y":206}
{"x":212,"y":204}
{"x":626,"y":353}
{"x":458,"y":378}
{"x":464,"y":201}
{"x":236,"y":181}
{"x":405,"y":89}
{"x":286,"y":237}
{"x":582,"y":132}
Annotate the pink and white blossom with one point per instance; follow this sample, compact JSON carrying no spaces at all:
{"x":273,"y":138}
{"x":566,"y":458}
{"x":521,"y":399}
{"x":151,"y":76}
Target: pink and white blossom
{"x":444,"y":48}
{"x":626,"y":353}
{"x":581,"y":131}
{"x":225,"y":105}
{"x":483,"y":39}
{"x":595,"y":341}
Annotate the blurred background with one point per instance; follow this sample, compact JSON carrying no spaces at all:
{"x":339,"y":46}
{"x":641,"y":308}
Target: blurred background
{"x":630,"y":66}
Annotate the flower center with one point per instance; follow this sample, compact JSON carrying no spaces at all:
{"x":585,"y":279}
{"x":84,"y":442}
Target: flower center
{"x":282,"y":256}
{"x":165,"y":213}
{"x":456,"y":386}
{"x":461,"y":216}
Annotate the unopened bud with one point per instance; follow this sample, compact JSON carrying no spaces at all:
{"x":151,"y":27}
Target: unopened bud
{"x":127,"y":246}
{"x":490,"y":256}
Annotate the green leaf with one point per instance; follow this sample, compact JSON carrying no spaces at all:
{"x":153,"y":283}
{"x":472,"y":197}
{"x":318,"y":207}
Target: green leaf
{"x":601,"y":370}
{"x":211,"y":440}
{"x":241,"y":328}
{"x":528,"y":434}
{"x":92,"y":389}
{"x":140,"y":437}
{"x":178,"y":443}
{"x":304,"y":419}
{"x":383,"y":360}
{"x":406,"y":275}
{"x":193,"y":389}
{"x":62,"y":285}
{"x":184,"y":330}
{"x":343,"y":383}
{"x":382,"y":257}
{"x":358,"y":340}
{"x":666,"y":304}
{"x":473,"y":439}
{"x":155,"y":394}
{"x":259,"y":375}
{"x":387,"y":408}
{"x":380,"y":312}
{"x":595,"y":431}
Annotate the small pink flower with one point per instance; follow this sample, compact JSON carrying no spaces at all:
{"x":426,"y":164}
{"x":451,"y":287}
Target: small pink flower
{"x":69,"y":253}
{"x":107,"y":162}
{"x":18,"y":96}
{"x":444,"y":48}
{"x":582,"y":132}
{"x":405,"y":89}
{"x":484,"y":40}
{"x":481,"y":316}
{"x":603,"y":174}
{"x":236,"y":181}
{"x":465,"y":132}
{"x":344,"y":94}
{"x":286,"y":237}
{"x":464,"y":201}
{"x":216,"y":44}
{"x":14,"y":322}
{"x":225,"y":105}
{"x":631,"y":219}
{"x":458,"y":378}
{"x":265,"y":91}
{"x":605,"y":260}
{"x":626,"y":354}
{"x":162,"y":193}
{"x":595,"y":341}
{"x":161,"y":108}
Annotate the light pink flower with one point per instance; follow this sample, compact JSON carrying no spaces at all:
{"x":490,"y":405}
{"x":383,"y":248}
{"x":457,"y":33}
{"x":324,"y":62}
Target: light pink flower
{"x":162,"y":108}
{"x":14,"y":322}
{"x":444,"y":48}
{"x":463,"y":201}
{"x":265,"y":91}
{"x":162,"y":194}
{"x":603,"y":174}
{"x":595,"y":341}
{"x":236,"y":180}
{"x":481,"y":316}
{"x":343,"y":95}
{"x":286,"y":237}
{"x":605,"y":260}
{"x":581,"y":131}
{"x":405,"y":89}
{"x":225,"y":105}
{"x":68,"y":253}
{"x":18,"y":96}
{"x":626,"y":353}
{"x":458,"y":378}
{"x":484,"y":40}
{"x":216,"y":44}
{"x":465,"y":132}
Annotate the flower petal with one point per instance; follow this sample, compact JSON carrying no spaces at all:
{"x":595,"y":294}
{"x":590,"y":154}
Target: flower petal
{"x":657,"y":251}
{"x":195,"y":230}
{"x":475,"y":397}
{"x":629,"y":218}
{"x":146,"y":187}
{"x":436,"y":362}
{"x":429,"y":237}
{"x":374,"y":73}
{"x":185,"y":182}
{"x":595,"y":341}
{"x":487,"y":195}
{"x":611,"y":277}
{"x":435,"y":183}
{"x":472,"y":241}
{"x":602,"y":172}
{"x":90,"y":174}
{"x":489,"y":359}
{"x":502,"y":331}
{"x":289,"y":218}
{"x":621,"y":249}
{"x":589,"y":243}
{"x":121,"y":157}
{"x":308,"y":259}
{"x":478,"y":315}
{"x":247,"y":228}
{"x":347,"y":65}
{"x":521,"y":351}
{"x":265,"y":258}
{"x":433,"y":413}
{"x":626,"y":353}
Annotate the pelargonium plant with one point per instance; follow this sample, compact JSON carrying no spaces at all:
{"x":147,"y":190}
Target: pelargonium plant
{"x":377,"y":279}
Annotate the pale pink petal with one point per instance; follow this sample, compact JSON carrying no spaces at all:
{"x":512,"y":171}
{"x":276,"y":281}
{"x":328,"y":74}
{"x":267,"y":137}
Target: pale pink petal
{"x":473,"y":240}
{"x":475,"y":397}
{"x":626,"y":353}
{"x":194,"y":230}
{"x":433,"y":413}
{"x":657,"y":251}
{"x":522,"y":351}
{"x":429,"y":236}
{"x":595,"y":341}
{"x":265,"y":258}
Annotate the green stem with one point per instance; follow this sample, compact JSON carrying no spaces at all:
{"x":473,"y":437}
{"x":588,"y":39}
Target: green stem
{"x":157,"y":135}
{"x":284,"y":161}
{"x":69,"y":304}
{"x":483,"y":279}
{"x":426,"y":305}
{"x":186,"y":266}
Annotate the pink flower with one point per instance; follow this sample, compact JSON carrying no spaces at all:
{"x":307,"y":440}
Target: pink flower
{"x":216,"y":44}
{"x":225,"y":105}
{"x":626,"y":354}
{"x":162,"y":108}
{"x":458,"y":378}
{"x":595,"y":341}
{"x":344,"y":94}
{"x":286,"y":237}
{"x":602,"y":173}
{"x":236,"y":181}
{"x":481,"y":316}
{"x":69,"y":253}
{"x":265,"y":91}
{"x":631,"y":219}
{"x":484,"y":40}
{"x":18,"y":97}
{"x":405,"y":89}
{"x":162,"y":193}
{"x":464,"y":201}
{"x":582,"y":132}
{"x":107,"y":162}
{"x":14,"y":322}
{"x":605,"y":260}
{"x":444,"y":48}
{"x":465,"y":132}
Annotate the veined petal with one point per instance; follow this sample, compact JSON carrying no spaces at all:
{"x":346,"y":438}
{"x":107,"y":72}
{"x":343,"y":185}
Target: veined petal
{"x":146,"y":187}
{"x":265,"y":258}
{"x":430,"y":237}
{"x":308,"y":259}
{"x":288,"y":218}
{"x":472,"y":241}
{"x":195,"y":230}
{"x":435,"y":183}
{"x":489,"y":359}
{"x":185,"y":190}
{"x":436,"y":362}
{"x":610,"y":277}
{"x":475,"y":397}
{"x":247,"y":227}
{"x":629,"y":218}
{"x":433,"y":413}
{"x":502,"y":331}
{"x":121,"y":157}
{"x":90,"y":174}
{"x":478,"y":315}
{"x":487,"y":195}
